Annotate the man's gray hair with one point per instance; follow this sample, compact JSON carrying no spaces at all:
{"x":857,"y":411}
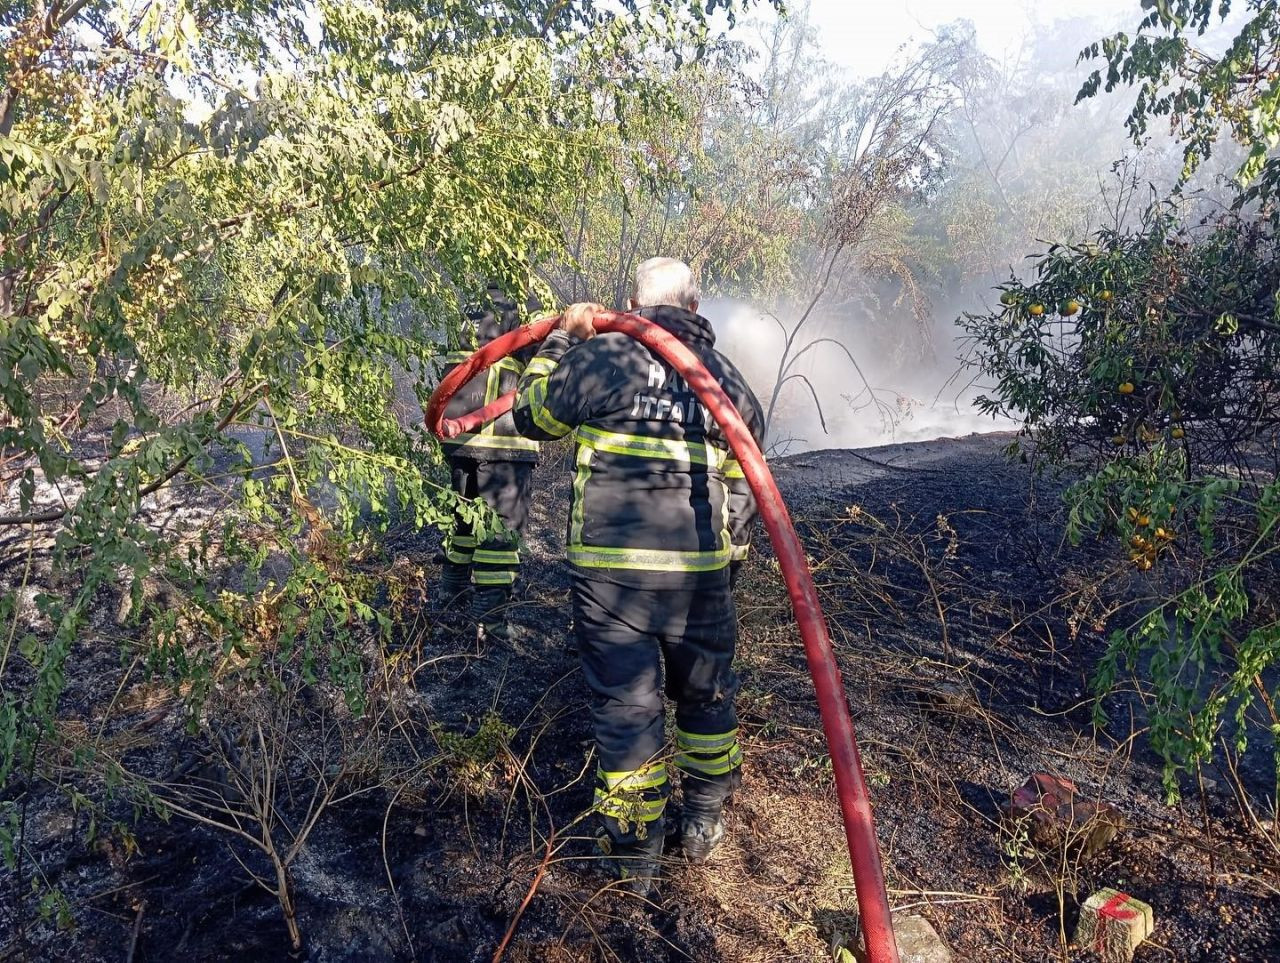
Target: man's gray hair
{"x":665,"y":280}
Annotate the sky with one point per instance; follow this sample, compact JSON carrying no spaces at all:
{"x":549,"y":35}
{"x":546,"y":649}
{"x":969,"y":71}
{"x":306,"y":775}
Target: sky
{"x":863,"y":36}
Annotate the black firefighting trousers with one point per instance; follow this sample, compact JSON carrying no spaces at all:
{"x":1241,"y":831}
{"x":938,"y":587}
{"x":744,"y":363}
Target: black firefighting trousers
{"x":625,"y":635}
{"x":506,"y":486}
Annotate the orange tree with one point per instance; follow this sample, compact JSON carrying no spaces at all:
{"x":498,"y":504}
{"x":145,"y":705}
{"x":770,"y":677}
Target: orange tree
{"x":1149,"y":358}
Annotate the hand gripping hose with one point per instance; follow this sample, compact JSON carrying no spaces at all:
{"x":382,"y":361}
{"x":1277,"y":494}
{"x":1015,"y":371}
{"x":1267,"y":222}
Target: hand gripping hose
{"x":855,"y":803}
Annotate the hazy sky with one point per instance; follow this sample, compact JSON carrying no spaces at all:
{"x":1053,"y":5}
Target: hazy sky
{"x":863,"y":36}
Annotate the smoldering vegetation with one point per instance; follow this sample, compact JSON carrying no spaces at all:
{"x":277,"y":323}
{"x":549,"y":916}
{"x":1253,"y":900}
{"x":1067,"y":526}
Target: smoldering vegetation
{"x":875,"y":210}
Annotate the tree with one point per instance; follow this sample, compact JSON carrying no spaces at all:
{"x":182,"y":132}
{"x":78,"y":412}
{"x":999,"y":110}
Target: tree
{"x":224,"y":223}
{"x":1203,"y":95}
{"x":1147,"y":356}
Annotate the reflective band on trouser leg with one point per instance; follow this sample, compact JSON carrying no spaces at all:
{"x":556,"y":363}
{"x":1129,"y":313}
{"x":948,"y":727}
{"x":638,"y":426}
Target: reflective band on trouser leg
{"x":490,"y":556}
{"x":459,"y":549}
{"x":481,"y":577}
{"x":495,"y":566}
{"x":708,"y":755}
{"x":638,"y":796}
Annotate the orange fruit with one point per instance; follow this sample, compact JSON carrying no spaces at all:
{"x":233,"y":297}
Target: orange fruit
{"x":1036,"y":310}
{"x":1126,"y":388}
{"x":1068,"y":308}
{"x":1178,"y":433}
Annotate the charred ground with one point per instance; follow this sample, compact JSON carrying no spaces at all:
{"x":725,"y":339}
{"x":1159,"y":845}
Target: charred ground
{"x":967,"y":629}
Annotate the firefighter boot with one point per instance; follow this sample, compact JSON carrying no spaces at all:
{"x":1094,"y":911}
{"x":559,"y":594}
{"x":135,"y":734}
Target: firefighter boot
{"x":636,"y":859}
{"x":455,"y":587}
{"x":702,"y":816}
{"x":490,"y":605}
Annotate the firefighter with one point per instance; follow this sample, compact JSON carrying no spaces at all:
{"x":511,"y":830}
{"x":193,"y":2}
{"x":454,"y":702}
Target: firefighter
{"x":650,"y":543}
{"x":494,"y":464}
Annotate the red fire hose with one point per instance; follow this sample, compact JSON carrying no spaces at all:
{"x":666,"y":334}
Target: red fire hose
{"x":851,"y":787}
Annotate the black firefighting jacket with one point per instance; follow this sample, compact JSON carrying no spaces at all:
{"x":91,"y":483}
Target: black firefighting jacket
{"x":657,"y":500}
{"x":498,"y":440}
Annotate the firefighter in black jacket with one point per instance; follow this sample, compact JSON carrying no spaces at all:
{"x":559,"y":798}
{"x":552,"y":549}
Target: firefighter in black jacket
{"x":660,"y":511}
{"x":494,"y":464}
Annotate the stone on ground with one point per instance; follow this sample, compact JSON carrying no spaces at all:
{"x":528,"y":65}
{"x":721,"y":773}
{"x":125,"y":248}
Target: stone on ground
{"x":1113,"y":925}
{"x":919,"y":942}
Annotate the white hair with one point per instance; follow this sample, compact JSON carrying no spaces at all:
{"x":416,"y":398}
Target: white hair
{"x":665,"y":280}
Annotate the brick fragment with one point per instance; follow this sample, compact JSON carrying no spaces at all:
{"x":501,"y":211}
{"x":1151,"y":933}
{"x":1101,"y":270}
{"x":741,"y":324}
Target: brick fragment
{"x":1113,"y":925}
{"x":1059,"y":816}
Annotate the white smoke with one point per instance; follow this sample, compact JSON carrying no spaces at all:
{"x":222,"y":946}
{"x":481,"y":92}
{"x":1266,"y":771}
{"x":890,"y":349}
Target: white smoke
{"x":873,"y":403}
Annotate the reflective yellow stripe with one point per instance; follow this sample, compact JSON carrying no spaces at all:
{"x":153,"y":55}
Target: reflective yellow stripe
{"x":540,"y":367}
{"x":492,"y":388}
{"x":698,"y":742}
{"x":648,"y":447}
{"x":505,"y":442}
{"x":501,"y":577}
{"x":732,"y":469}
{"x":648,"y":559}
{"x":645,"y":559}
{"x":458,"y":558}
{"x":712,"y":754}
{"x":462,"y":541}
{"x":630,"y":810}
{"x":584,"y":457}
{"x":634,"y":780}
{"x":491,"y":556}
{"x":534,"y":397}
{"x":711,"y":766}
{"x":457,"y":357}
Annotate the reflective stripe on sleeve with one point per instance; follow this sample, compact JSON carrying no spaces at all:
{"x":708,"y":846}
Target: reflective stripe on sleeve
{"x":540,"y":367}
{"x":534,"y":397}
